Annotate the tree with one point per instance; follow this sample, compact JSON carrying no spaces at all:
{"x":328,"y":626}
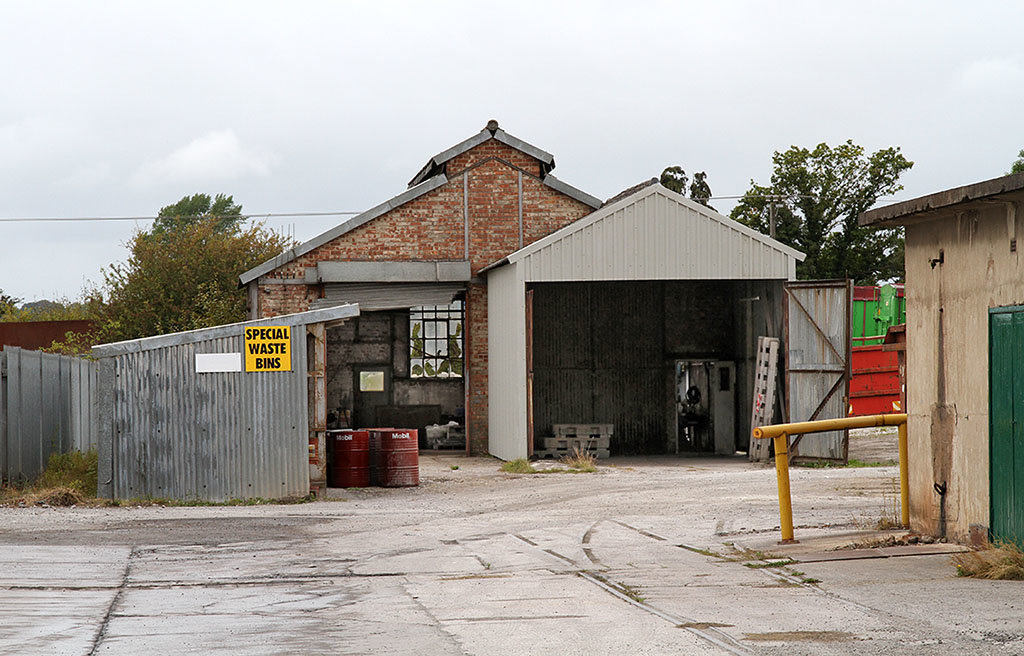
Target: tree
{"x":222,"y":209}
{"x":675,"y":178}
{"x":180,"y":275}
{"x":1018,"y":165}
{"x":818,"y":195}
{"x":8,"y":303}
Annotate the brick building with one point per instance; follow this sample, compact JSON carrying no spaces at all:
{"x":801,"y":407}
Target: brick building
{"x":418,"y":354}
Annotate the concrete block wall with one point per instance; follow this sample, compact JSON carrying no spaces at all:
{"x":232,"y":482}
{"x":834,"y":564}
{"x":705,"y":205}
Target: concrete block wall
{"x":382,"y":338}
{"x":433,"y":227}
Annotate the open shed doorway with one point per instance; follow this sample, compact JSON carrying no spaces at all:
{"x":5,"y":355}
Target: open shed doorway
{"x":668,"y":363}
{"x":401,"y":368}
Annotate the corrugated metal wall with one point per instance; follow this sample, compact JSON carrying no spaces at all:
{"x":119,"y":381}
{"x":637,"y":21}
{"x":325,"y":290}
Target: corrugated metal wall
{"x":388,"y":295}
{"x":817,"y":360}
{"x":47,"y":405}
{"x":656,"y":237}
{"x":506,"y":364}
{"x":599,"y":358}
{"x":214,"y":436}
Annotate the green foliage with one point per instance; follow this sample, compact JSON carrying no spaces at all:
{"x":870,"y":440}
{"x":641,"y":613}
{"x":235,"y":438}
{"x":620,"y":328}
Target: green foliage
{"x":1018,"y":164}
{"x":60,"y":310}
{"x":518,"y":466}
{"x":448,"y":365}
{"x":222,"y":210}
{"x":818,"y":195}
{"x":7,"y":303}
{"x":675,"y":179}
{"x":181,"y":275}
{"x":75,"y":470}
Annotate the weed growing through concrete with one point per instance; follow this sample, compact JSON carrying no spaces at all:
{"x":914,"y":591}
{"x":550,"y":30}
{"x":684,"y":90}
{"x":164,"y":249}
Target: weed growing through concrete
{"x":518,"y":466}
{"x":454,"y":467}
{"x":853,"y":463}
{"x":770,"y":564}
{"x":1003,"y":561}
{"x":581,"y":461}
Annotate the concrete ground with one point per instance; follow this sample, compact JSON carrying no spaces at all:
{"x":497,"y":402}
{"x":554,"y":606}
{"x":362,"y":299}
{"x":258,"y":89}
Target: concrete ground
{"x":644,"y":557}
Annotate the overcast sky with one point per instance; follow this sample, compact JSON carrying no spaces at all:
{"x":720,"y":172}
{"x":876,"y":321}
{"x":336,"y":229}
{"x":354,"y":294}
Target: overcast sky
{"x":115,"y":109}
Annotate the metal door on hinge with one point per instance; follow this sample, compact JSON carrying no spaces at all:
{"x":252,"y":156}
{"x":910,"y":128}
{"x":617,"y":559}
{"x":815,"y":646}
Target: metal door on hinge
{"x":529,"y":372}
{"x":818,"y":347}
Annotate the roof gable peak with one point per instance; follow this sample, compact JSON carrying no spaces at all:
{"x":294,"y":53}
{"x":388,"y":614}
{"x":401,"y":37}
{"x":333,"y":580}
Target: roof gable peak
{"x":492,"y":130}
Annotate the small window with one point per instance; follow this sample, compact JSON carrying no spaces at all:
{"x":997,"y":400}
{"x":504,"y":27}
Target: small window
{"x":371,"y":381}
{"x":435,"y":341}
{"x":724,"y":380}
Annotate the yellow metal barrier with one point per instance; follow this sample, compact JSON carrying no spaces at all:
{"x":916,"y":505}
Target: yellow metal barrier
{"x":781,"y":432}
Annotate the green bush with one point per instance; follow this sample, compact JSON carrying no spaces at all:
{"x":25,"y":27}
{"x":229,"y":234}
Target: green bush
{"x":75,"y":470}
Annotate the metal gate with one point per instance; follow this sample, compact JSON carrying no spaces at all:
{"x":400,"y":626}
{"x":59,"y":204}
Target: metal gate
{"x":818,"y":362}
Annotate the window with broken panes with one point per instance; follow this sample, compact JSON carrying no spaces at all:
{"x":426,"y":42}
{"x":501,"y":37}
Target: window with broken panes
{"x":435,"y":335}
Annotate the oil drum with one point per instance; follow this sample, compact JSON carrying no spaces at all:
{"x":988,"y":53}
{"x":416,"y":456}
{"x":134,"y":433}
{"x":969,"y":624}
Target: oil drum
{"x":399,"y":457}
{"x":375,"y":455}
{"x":349,"y":458}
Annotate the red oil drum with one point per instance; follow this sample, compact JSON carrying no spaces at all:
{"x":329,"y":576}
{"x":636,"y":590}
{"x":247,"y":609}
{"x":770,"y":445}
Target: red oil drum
{"x":348,"y":457}
{"x":375,"y":456}
{"x":399,"y":457}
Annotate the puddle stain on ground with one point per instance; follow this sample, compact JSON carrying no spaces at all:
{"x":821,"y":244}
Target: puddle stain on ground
{"x":703,"y":625}
{"x":800,"y":636}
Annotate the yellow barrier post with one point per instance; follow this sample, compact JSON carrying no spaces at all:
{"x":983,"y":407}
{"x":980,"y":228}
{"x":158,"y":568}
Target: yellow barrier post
{"x":782,"y":476}
{"x":780,"y":434}
{"x":904,"y":478}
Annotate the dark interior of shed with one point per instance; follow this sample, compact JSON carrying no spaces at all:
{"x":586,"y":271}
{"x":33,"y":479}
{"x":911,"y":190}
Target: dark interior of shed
{"x":646,"y":356}
{"x":386,"y":368}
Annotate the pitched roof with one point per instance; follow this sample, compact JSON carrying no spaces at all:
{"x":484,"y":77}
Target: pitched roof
{"x":292,"y":253}
{"x":435,"y":164}
{"x":429,"y":178}
{"x":650,"y":233}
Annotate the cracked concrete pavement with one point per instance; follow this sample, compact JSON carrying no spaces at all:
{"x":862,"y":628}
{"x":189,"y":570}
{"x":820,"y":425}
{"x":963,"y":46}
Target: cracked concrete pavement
{"x":478,"y":562}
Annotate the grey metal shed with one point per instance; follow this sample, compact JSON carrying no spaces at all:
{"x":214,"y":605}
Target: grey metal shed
{"x":637,"y":241}
{"x":167,"y":429}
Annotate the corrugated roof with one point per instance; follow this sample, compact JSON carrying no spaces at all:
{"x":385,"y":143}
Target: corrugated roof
{"x":655,"y":234}
{"x":336,"y":313}
{"x":895,"y":214}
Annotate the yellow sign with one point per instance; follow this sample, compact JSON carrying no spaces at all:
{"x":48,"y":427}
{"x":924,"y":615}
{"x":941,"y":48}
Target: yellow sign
{"x":268,"y":348}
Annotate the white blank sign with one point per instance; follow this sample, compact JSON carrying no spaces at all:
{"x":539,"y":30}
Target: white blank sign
{"x":211,"y":363}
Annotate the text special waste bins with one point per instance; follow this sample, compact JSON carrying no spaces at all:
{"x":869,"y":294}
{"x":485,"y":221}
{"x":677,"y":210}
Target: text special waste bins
{"x":348,"y":457}
{"x":396,"y":455}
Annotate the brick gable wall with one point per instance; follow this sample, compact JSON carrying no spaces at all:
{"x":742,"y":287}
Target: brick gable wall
{"x":432,"y":227}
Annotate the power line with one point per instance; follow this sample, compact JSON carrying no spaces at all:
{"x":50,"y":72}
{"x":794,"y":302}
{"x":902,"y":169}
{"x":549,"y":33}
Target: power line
{"x":265,"y":215}
{"x":289,"y":215}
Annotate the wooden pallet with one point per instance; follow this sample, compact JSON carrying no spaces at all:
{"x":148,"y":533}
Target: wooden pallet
{"x":569,"y":443}
{"x":570,"y":430}
{"x":558,"y":454}
{"x":764,"y":394}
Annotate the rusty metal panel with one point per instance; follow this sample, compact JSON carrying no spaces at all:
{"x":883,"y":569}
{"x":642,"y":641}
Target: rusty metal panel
{"x":818,"y":362}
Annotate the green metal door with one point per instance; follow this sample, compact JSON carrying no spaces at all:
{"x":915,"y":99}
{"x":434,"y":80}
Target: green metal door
{"x":1006,"y":423}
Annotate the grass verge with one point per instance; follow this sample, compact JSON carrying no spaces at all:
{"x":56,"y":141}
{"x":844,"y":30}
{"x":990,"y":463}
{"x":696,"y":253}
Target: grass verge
{"x":1002,"y":561}
{"x":518,"y":466}
{"x":70,"y":480}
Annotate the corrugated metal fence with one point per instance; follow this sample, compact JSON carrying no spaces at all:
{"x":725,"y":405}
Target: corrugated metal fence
{"x":47,"y":405}
{"x":178,"y":434}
